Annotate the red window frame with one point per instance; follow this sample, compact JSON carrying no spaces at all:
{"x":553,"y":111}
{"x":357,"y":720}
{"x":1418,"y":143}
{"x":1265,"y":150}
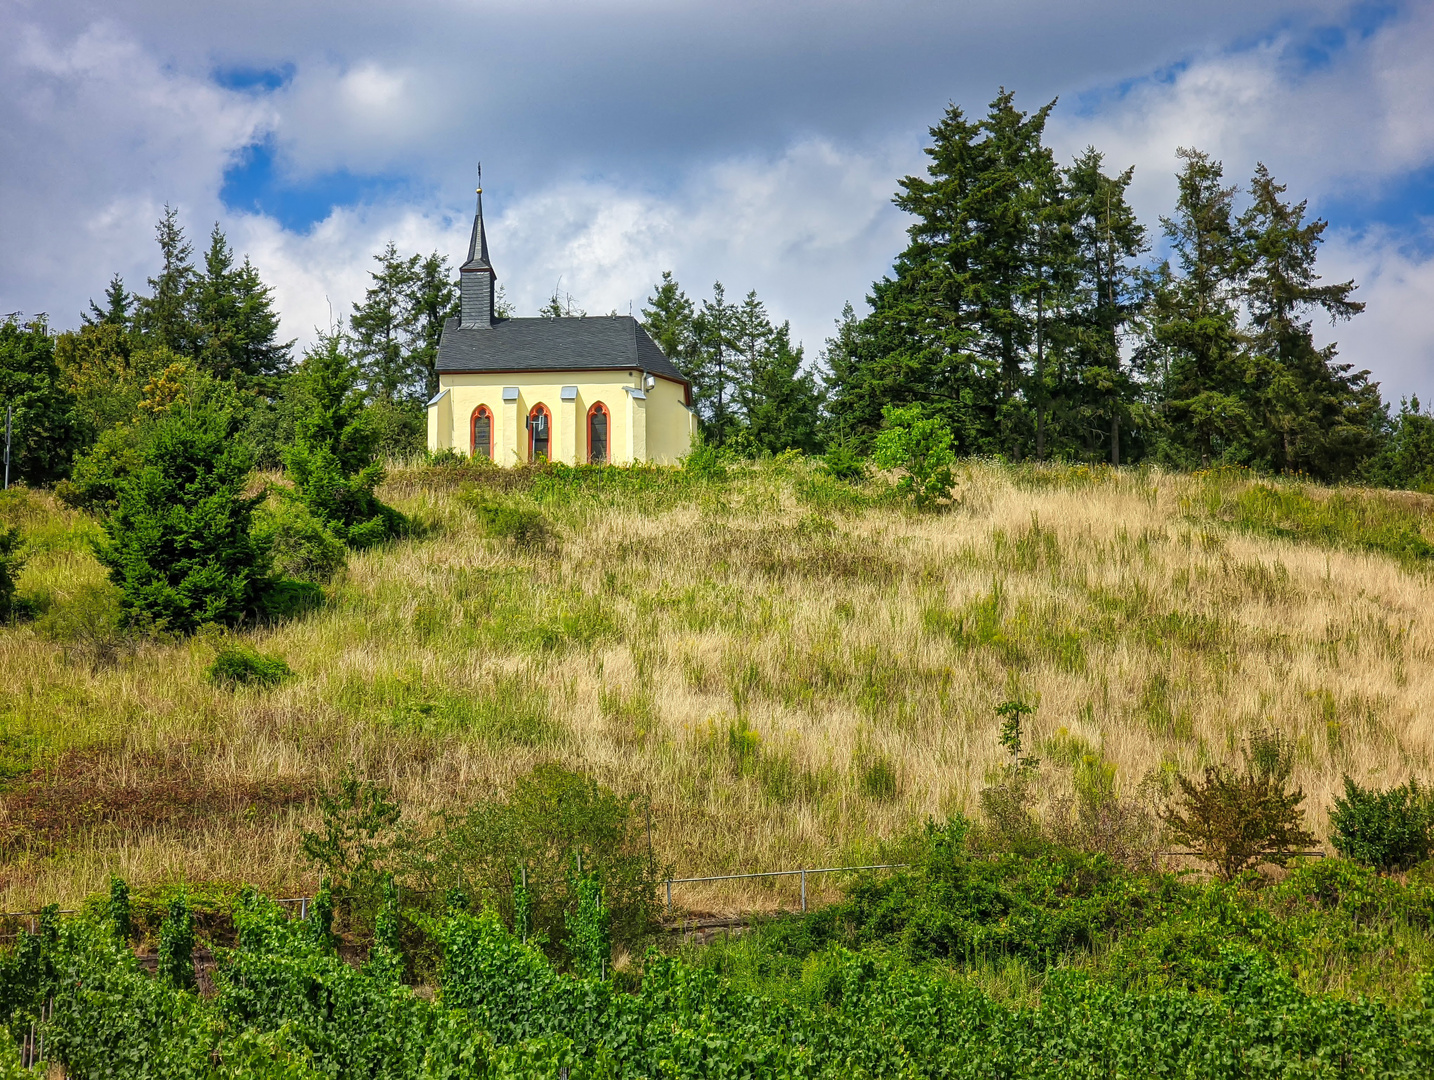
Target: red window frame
{"x":539,"y":410}
{"x":479,"y":413}
{"x":599,"y":408}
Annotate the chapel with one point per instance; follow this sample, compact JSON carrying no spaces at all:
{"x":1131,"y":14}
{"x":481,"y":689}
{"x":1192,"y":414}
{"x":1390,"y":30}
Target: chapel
{"x":594,"y":389}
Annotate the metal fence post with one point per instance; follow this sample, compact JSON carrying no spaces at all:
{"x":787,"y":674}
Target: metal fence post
{"x":669,"y":894}
{"x":804,"y":890}
{"x":303,"y":908}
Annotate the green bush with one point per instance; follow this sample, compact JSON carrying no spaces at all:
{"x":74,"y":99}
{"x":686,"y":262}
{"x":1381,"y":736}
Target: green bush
{"x":920,"y":447}
{"x":11,"y":562}
{"x":303,"y":547}
{"x":236,"y":665}
{"x":1239,"y":820}
{"x":95,"y":481}
{"x":179,"y":542}
{"x":842,"y":462}
{"x":526,"y":527}
{"x":706,"y":461}
{"x":1389,"y":830}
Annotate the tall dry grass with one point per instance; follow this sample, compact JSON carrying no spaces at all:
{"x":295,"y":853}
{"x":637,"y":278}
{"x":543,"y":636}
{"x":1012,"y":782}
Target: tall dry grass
{"x":795,"y":671}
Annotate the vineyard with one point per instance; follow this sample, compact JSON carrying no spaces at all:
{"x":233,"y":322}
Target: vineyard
{"x":1056,"y":965}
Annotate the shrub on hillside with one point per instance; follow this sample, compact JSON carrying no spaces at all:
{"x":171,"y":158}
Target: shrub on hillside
{"x":842,"y":462}
{"x":525,"y":527}
{"x":97,"y":476}
{"x":706,"y":461}
{"x":1240,"y":820}
{"x":920,"y":447}
{"x":179,"y":542}
{"x":333,"y":460}
{"x":1389,"y":830}
{"x":553,"y":821}
{"x":240,"y":666}
{"x":302,"y":547}
{"x":11,"y":562}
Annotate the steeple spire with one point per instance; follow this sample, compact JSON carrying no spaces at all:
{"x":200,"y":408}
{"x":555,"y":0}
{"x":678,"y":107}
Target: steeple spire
{"x":476,"y":276}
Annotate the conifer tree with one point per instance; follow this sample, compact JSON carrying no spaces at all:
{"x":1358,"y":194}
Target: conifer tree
{"x":781,"y":404}
{"x":116,"y":312}
{"x":715,"y":373}
{"x":1311,"y":414}
{"x":179,"y":544}
{"x":1196,"y":319}
{"x":432,"y":301}
{"x":380,"y":326}
{"x":236,"y":325}
{"x":1106,"y":238}
{"x":332,"y":461}
{"x":167,"y":315}
{"x":668,"y":319}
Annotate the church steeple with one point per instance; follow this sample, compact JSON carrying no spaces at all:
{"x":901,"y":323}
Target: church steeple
{"x":476,"y":275}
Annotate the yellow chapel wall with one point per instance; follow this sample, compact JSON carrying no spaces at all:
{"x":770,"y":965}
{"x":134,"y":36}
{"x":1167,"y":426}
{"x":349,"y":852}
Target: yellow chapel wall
{"x":658,"y":422}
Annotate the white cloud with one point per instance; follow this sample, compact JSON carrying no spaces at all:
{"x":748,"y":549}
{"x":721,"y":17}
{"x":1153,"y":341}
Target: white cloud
{"x":96,"y":138}
{"x":1394,"y":337}
{"x":106,"y":129}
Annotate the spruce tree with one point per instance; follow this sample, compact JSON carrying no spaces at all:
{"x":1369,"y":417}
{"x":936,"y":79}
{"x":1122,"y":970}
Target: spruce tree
{"x":332,"y":462}
{"x":432,"y":301}
{"x":1202,"y":370}
{"x":116,"y":311}
{"x":668,"y":319}
{"x":781,"y":404}
{"x":1312,"y":414}
{"x":715,"y":373}
{"x":167,"y":315}
{"x":179,"y":543}
{"x":237,"y":326}
{"x":380,"y":327}
{"x":1107,"y":238}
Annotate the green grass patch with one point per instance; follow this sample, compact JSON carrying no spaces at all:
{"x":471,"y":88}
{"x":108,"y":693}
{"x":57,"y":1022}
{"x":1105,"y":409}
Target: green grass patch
{"x":1392,"y":525}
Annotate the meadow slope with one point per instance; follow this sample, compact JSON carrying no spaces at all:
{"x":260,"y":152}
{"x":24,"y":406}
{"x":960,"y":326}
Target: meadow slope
{"x":795,"y":670}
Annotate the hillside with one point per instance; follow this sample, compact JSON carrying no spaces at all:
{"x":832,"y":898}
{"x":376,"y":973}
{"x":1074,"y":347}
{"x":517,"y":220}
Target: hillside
{"x":795,"y":670}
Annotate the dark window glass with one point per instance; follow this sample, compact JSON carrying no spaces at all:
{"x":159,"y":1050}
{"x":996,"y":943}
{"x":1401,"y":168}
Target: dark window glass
{"x":597,"y":437}
{"x":538,"y":424}
{"x":483,"y":435}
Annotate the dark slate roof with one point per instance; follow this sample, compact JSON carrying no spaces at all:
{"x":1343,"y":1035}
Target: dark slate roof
{"x":595,"y":343}
{"x":478,"y":242}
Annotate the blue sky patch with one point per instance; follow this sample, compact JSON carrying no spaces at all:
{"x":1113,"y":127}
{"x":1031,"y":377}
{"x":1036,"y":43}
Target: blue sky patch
{"x":255,"y":184}
{"x":255,"y":80}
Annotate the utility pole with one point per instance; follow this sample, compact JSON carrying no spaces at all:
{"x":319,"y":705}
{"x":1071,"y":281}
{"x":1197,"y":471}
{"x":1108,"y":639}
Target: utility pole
{"x":9,"y":411}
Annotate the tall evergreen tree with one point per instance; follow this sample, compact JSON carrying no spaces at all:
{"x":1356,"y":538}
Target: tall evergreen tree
{"x":1197,"y":319}
{"x":237,"y":327}
{"x":1311,"y":414}
{"x":332,"y":460}
{"x":668,"y":319}
{"x":433,"y":300}
{"x":715,"y":373}
{"x":166,"y":316}
{"x":1107,"y":238}
{"x":780,"y":403}
{"x":380,"y":326}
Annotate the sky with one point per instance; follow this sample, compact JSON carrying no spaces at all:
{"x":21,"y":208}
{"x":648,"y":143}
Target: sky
{"x":758,"y":144}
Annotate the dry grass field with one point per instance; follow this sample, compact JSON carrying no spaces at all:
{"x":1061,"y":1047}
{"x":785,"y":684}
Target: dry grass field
{"x":795,"y":670}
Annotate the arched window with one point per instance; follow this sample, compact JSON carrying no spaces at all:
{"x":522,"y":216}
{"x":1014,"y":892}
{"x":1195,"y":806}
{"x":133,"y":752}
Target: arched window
{"x":540,"y":431}
{"x":597,"y":434}
{"x":483,"y":432}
